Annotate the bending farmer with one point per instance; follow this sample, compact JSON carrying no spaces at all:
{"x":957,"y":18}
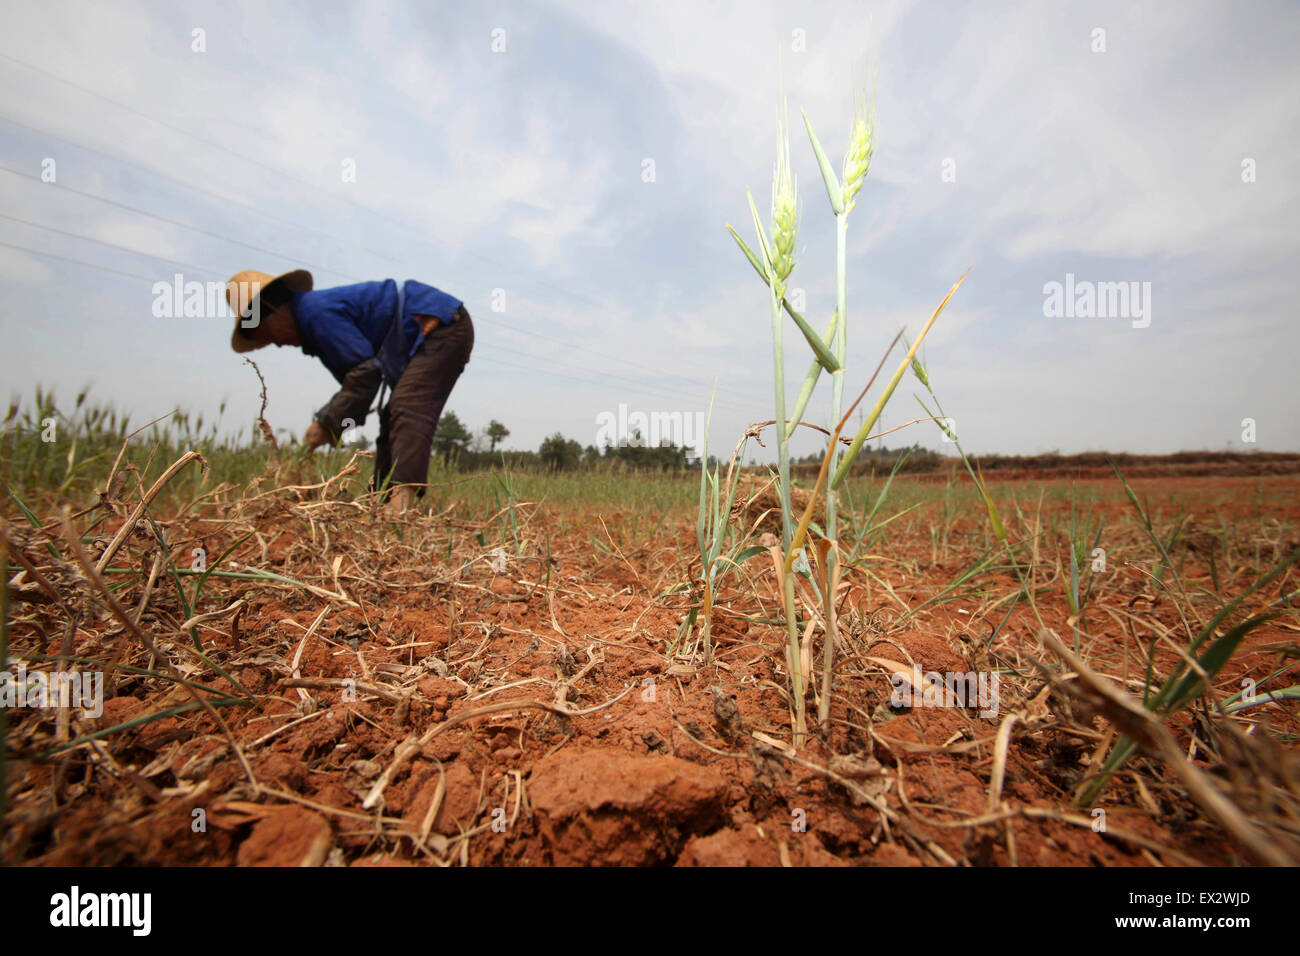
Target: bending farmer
{"x":413,"y":339}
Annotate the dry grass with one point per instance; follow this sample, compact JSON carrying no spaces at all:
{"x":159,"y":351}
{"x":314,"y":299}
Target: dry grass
{"x":108,"y":587}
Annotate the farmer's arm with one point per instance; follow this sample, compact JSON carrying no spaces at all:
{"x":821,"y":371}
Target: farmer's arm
{"x":350,"y":357}
{"x":352,"y":401}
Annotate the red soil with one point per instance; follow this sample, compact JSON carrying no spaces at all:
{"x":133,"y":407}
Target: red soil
{"x":660,"y":769}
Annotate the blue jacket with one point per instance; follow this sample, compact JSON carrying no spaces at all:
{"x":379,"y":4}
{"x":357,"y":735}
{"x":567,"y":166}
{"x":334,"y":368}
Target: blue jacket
{"x":351,"y":324}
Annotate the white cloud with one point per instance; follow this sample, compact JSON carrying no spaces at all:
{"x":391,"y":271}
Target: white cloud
{"x":520,"y":172}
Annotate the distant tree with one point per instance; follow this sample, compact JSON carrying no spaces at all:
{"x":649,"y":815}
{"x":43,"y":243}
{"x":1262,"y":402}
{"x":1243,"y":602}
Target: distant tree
{"x":558,"y":453}
{"x":496,"y":432}
{"x":452,"y":436}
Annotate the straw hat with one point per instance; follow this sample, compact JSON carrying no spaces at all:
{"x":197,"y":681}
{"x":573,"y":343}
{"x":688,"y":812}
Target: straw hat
{"x":244,"y":292}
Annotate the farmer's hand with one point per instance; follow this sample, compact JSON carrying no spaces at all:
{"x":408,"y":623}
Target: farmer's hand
{"x":316,"y":436}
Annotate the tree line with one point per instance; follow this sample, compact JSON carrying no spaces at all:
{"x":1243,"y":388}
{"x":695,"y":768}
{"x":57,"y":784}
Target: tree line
{"x":461,"y":448}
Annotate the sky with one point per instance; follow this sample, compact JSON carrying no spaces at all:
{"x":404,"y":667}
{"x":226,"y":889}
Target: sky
{"x":568,"y":168}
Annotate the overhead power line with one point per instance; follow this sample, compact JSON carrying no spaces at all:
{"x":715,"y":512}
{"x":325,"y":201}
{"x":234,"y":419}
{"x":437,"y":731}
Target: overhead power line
{"x":207,"y":232}
{"x":214,"y":144}
{"x":176,"y":222}
{"x":536,"y":368}
{"x":223,"y":199}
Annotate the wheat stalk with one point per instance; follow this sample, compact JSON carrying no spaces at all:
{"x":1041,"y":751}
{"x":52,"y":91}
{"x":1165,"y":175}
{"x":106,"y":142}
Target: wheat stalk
{"x":775,"y":262}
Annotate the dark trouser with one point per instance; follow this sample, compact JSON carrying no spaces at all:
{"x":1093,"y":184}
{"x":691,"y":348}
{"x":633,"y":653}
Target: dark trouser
{"x":408,"y":422}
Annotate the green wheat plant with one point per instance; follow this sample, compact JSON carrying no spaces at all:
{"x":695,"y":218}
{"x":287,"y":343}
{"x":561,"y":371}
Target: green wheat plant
{"x":774,"y":262}
{"x":712,"y":532}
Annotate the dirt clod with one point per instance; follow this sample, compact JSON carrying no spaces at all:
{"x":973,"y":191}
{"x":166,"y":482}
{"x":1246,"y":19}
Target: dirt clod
{"x":607,"y":807}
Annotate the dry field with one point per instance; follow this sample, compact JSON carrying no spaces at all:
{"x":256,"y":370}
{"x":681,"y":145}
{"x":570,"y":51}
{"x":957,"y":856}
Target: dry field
{"x":516,"y":675}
